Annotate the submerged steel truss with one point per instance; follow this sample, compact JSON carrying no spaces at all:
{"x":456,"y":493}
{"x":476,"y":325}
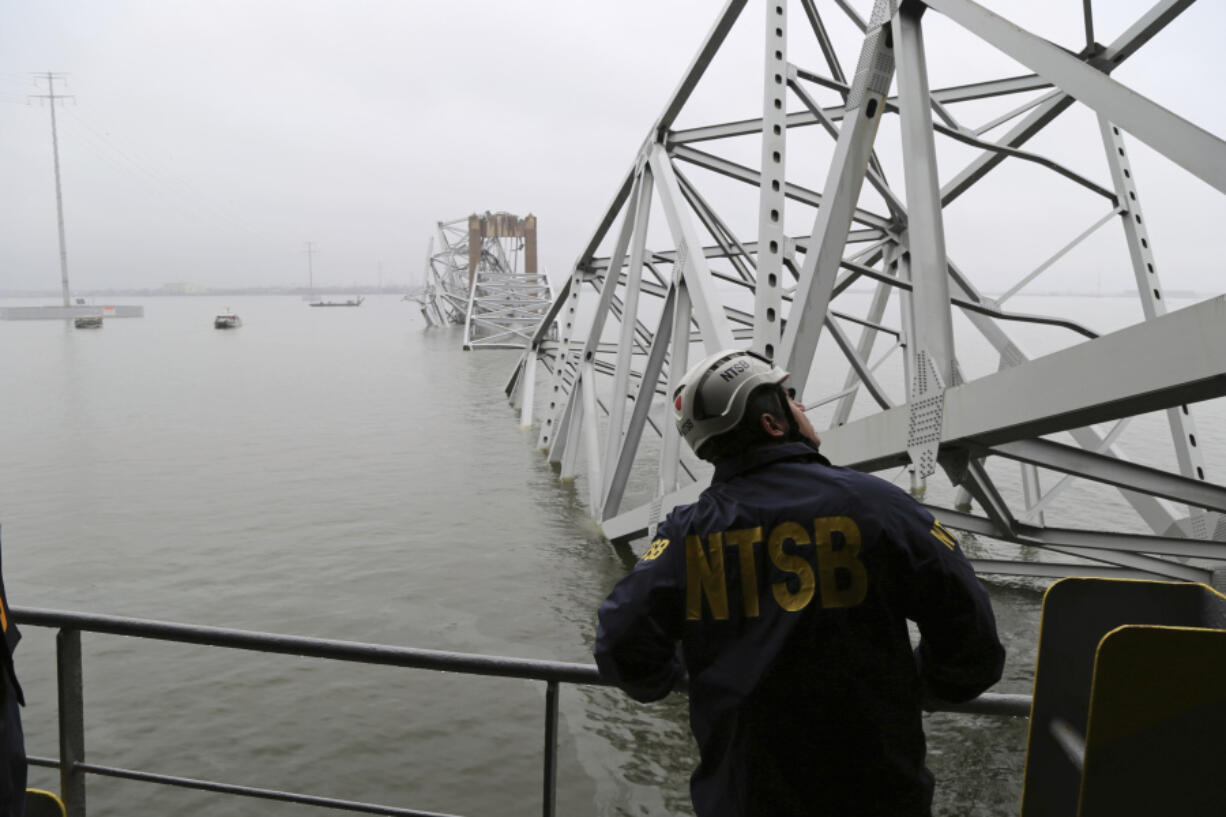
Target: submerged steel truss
{"x":883,"y":330}
{"x":485,"y":278}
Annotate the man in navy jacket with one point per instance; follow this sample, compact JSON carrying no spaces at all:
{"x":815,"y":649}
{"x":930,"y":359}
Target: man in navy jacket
{"x":788,"y":586}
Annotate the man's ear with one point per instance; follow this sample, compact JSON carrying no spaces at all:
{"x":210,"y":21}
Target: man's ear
{"x":774,"y":426}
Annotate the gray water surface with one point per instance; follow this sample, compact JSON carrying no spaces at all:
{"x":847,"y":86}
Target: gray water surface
{"x":348,"y":474}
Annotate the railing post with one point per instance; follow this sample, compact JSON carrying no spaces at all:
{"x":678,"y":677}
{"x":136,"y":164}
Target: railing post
{"x":72,"y":720}
{"x":551,"y":749}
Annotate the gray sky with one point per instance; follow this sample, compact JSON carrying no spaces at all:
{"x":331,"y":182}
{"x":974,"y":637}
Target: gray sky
{"x":209,"y":141}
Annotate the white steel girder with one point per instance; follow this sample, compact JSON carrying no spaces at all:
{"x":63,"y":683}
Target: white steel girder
{"x":894,"y":376}
{"x":484,"y":278}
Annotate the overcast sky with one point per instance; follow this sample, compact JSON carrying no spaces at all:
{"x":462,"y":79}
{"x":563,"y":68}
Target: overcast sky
{"x":210,"y":141}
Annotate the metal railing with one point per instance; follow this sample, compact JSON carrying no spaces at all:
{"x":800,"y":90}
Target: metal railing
{"x":73,"y":766}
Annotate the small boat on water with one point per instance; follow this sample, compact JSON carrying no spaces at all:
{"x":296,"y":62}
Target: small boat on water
{"x":88,"y":322}
{"x":351,"y":302}
{"x":227,"y":321}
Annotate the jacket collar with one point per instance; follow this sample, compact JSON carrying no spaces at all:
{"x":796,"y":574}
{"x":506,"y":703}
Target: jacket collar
{"x":764,"y":455}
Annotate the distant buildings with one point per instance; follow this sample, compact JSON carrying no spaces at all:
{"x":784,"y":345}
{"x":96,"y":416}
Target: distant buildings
{"x":182,"y":288}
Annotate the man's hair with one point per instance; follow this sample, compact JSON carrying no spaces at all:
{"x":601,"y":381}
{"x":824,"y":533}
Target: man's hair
{"x":748,"y":433}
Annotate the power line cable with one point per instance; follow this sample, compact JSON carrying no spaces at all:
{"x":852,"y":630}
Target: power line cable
{"x":191,"y":196}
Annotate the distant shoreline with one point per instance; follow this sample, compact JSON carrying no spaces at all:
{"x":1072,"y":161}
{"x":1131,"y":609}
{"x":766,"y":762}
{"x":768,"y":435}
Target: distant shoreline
{"x":229,"y":291}
{"x":392,"y":290}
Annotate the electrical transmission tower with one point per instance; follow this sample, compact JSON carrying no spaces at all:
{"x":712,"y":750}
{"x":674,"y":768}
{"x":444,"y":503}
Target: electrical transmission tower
{"x":864,"y":291}
{"x":52,"y":98}
{"x":310,"y":254}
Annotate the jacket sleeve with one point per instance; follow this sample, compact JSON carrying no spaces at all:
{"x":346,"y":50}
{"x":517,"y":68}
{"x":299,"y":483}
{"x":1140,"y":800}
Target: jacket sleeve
{"x":640,"y":624}
{"x":959,"y":653}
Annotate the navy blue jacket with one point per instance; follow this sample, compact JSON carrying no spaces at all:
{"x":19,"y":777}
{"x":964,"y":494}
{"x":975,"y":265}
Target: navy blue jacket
{"x":788,"y":585}
{"x":13,"y":764}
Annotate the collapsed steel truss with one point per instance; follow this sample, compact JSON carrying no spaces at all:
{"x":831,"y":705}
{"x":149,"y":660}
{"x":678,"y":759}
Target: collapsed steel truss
{"x":633,"y":318}
{"x":485,"y":278}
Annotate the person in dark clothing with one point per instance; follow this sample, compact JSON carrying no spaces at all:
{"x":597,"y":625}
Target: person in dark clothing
{"x":788,"y":586}
{"x":13,"y":766}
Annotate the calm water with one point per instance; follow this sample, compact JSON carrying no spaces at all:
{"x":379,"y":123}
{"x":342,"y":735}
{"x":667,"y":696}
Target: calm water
{"x":341,"y":473}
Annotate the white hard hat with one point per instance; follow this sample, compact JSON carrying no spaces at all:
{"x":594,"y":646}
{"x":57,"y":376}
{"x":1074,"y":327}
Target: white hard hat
{"x":713,"y":394}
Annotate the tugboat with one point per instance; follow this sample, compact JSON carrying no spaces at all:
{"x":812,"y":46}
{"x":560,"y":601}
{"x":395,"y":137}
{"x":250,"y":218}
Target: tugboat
{"x":227,"y":321}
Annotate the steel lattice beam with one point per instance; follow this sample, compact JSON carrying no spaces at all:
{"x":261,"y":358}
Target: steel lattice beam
{"x":485,"y":279}
{"x":633,"y":312}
